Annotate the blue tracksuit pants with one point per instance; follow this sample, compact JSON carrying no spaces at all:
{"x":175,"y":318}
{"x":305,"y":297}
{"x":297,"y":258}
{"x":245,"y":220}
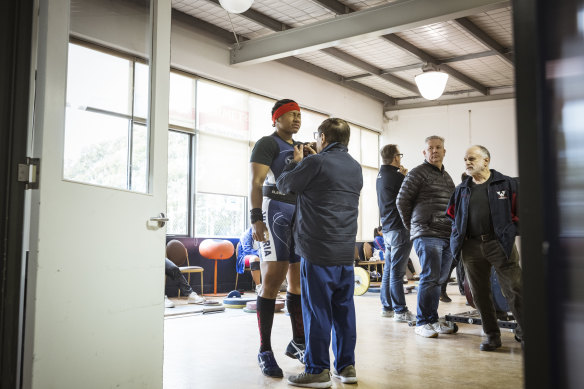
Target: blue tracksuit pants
{"x":327,"y":303}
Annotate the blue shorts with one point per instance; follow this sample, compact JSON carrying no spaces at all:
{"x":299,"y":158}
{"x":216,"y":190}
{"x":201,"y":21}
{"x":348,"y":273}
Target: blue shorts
{"x":280,"y":245}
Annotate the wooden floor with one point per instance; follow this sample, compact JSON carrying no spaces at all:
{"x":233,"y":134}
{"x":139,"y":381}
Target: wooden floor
{"x":220,"y":350}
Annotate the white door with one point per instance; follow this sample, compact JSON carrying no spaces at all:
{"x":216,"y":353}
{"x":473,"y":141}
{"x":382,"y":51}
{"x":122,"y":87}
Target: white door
{"x":95,"y":281}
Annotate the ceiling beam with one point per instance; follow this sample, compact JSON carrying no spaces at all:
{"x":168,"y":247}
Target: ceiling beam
{"x":443,"y":102}
{"x":296,"y":63}
{"x":485,"y":39}
{"x":335,"y":6}
{"x":371,"y":69}
{"x":317,"y":71}
{"x":405,"y":45}
{"x":357,"y":26}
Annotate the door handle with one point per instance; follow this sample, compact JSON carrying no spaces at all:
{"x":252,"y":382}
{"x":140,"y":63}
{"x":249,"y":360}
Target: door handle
{"x":161,"y":219}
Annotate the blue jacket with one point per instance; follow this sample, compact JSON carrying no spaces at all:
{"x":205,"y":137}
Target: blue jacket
{"x":328,"y":185}
{"x":503,"y":194}
{"x":245,"y":248}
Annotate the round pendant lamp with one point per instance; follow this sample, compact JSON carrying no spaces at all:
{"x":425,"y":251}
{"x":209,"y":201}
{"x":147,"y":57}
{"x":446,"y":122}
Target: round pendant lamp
{"x":236,"y":6}
{"x":431,"y":84}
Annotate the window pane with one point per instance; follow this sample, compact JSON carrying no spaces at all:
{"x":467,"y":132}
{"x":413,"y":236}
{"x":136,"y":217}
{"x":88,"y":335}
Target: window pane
{"x":141,"y":90}
{"x":222,"y":165}
{"x":369,"y":209}
{"x":310,"y":122}
{"x":96,"y":148}
{"x":369,"y":148}
{"x":98,"y":80}
{"x":355,"y":143}
{"x":139,"y":166}
{"x":181,"y":108}
{"x":219,"y":215}
{"x":177,"y":201}
{"x":222,"y":111}
{"x":260,"y":117}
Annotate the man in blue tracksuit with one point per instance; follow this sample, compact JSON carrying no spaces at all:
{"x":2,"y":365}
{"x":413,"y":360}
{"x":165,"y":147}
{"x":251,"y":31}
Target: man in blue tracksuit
{"x":328,"y":185}
{"x":484,"y":217}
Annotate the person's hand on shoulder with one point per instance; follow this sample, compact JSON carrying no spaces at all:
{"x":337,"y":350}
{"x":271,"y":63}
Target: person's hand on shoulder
{"x":403,"y":170}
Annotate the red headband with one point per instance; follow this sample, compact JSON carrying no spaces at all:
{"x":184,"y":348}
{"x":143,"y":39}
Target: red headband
{"x":283,"y":109}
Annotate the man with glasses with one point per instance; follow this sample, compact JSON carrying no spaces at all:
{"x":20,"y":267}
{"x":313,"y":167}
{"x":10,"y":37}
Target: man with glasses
{"x":395,"y":236}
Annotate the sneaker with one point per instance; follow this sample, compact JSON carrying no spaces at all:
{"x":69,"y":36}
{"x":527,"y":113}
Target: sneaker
{"x":296,"y":350}
{"x":444,"y":298}
{"x":404,"y":317}
{"x":195,"y":299}
{"x":347,"y":375}
{"x":426,"y":330}
{"x":268,"y":365}
{"x":443,"y":327}
{"x":491,"y":344}
{"x":307,"y":380}
{"x":168,"y":303}
{"x":386,"y":313}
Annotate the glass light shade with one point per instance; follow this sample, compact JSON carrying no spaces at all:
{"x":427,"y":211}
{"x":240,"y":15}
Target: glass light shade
{"x":236,"y":6}
{"x":431,"y":84}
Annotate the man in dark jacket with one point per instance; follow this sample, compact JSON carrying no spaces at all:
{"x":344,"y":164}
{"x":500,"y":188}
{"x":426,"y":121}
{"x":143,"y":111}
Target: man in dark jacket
{"x":328,"y":186}
{"x":395,"y":236}
{"x":422,"y":202}
{"x":484,"y":217}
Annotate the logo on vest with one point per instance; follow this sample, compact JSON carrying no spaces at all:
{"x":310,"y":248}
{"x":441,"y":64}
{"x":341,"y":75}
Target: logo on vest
{"x":502,"y":194}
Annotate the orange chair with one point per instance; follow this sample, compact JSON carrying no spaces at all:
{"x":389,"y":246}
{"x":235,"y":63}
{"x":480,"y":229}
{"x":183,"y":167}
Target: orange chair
{"x":178,"y":254}
{"x":216,"y":249}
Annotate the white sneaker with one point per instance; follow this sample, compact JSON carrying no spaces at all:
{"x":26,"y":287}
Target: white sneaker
{"x":443,"y":327}
{"x":195,"y":299}
{"x":168,"y":303}
{"x":426,"y":330}
{"x":404,"y":317}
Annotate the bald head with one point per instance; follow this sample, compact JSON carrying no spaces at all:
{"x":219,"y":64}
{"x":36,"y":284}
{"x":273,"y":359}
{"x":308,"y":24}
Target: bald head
{"x":476,"y":160}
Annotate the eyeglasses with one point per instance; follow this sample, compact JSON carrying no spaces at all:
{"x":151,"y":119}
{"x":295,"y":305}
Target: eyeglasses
{"x":316,"y":135}
{"x":400,"y":155}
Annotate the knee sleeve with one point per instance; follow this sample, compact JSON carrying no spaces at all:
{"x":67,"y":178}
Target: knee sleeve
{"x":255,"y":265}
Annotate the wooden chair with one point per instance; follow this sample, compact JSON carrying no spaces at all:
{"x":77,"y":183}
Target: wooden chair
{"x":245,"y":268}
{"x":178,"y":254}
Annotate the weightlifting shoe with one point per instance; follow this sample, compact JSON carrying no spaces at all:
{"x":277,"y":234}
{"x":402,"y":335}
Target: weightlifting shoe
{"x":268,"y":365}
{"x":296,"y":350}
{"x":168,"y":303}
{"x":195,"y":299}
{"x":491,"y":344}
{"x":307,"y":380}
{"x":348,"y":375}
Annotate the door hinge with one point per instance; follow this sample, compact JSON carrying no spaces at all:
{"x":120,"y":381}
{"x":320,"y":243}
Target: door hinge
{"x":29,"y":173}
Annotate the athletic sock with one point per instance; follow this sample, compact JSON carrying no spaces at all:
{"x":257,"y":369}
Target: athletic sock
{"x":294,"y":304}
{"x":265,"y":313}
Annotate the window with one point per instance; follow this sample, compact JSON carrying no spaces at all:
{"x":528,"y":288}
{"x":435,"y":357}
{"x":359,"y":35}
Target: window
{"x":105,"y":144}
{"x":364,"y":147}
{"x":177,"y":198}
{"x":220,"y":215}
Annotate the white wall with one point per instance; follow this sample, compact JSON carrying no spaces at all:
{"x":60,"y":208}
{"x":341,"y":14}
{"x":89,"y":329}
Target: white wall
{"x":491,"y":124}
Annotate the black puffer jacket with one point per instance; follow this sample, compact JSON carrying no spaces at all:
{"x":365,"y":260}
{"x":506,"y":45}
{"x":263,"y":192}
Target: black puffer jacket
{"x":422,"y":201}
